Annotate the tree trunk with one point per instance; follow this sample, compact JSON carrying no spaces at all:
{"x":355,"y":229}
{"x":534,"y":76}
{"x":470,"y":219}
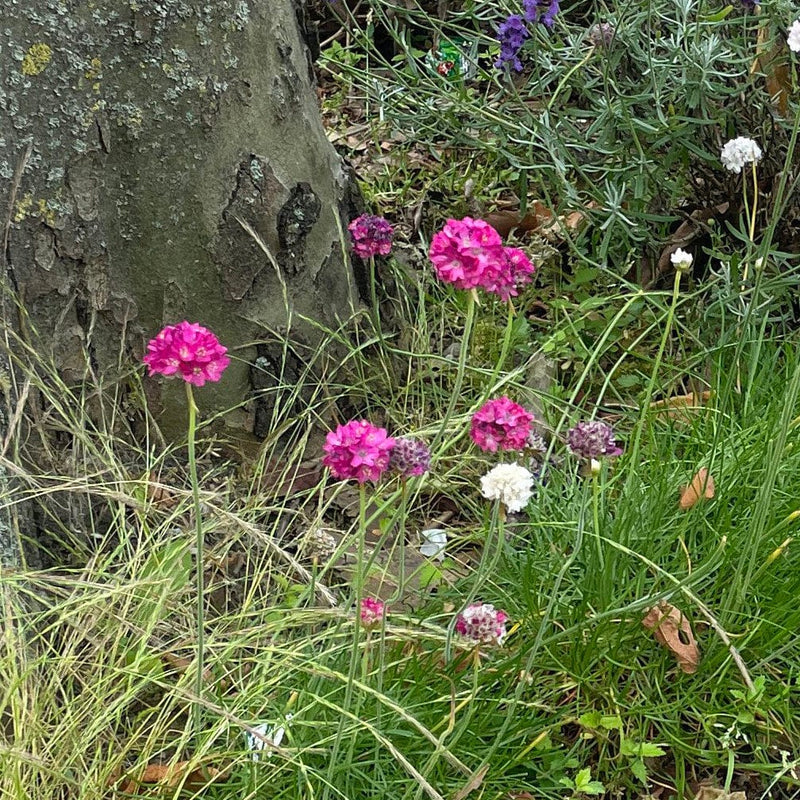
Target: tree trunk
{"x":154,"y":127}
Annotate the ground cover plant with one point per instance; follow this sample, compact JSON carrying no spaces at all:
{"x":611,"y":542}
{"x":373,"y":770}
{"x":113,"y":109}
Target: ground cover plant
{"x":533,"y":534}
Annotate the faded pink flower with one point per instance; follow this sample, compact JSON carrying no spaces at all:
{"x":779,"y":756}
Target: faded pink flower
{"x":592,"y":440}
{"x":371,"y":235}
{"x":501,"y":423}
{"x":372,"y":612}
{"x":481,"y":623}
{"x":187,"y":349}
{"x":410,"y":457}
{"x":469,"y":253}
{"x":357,"y":450}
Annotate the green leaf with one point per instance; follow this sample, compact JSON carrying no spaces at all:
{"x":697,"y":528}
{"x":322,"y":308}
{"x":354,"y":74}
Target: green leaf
{"x":639,"y":770}
{"x":611,"y":722}
{"x":591,"y":719}
{"x":628,"y":747}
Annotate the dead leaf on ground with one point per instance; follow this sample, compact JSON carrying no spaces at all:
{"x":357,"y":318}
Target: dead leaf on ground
{"x":185,"y":773}
{"x":713,"y":793}
{"x":773,"y":62}
{"x":683,"y":236}
{"x":159,"y":495}
{"x":282,"y":480}
{"x":181,"y":664}
{"x":701,"y":488}
{"x":672,"y":629}
{"x":474,"y":782}
{"x":681,"y":406}
{"x":504,"y":221}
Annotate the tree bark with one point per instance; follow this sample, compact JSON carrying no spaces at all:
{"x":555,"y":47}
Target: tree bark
{"x":155,"y":126}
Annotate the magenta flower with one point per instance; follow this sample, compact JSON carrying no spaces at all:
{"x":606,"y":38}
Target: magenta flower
{"x":357,"y":450}
{"x":501,"y":423}
{"x":592,"y":440}
{"x":469,"y":253}
{"x":372,"y":612}
{"x":189,"y":349}
{"x":371,"y":235}
{"x":466,"y":252}
{"x":410,"y":457}
{"x":481,"y":623}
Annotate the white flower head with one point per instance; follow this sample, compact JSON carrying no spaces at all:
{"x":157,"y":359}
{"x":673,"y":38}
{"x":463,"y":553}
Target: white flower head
{"x":681,"y":260}
{"x":509,"y":483}
{"x":738,"y":152}
{"x":793,"y":38}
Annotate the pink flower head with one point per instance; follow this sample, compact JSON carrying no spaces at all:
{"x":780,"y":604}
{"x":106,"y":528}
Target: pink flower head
{"x":592,"y":440}
{"x":469,"y":253}
{"x":501,"y":423}
{"x":372,"y":612}
{"x":371,"y":235}
{"x":410,"y":457}
{"x":357,"y":450}
{"x":481,"y":623}
{"x":189,"y":349}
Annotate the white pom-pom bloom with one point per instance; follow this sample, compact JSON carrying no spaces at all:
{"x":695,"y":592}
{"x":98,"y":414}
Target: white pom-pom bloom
{"x":794,"y":37}
{"x":681,"y":260}
{"x":738,"y":152}
{"x":509,"y":483}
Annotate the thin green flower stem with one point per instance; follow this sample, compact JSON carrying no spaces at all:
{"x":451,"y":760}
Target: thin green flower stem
{"x":651,"y":386}
{"x":454,"y":732}
{"x":373,"y":298}
{"x":197,"y":707}
{"x":490,"y":386}
{"x":601,"y":561}
{"x":401,"y":543}
{"x":486,"y":567}
{"x":752,"y":218}
{"x":358,"y":585}
{"x":462,"y":365}
{"x":522,"y":686}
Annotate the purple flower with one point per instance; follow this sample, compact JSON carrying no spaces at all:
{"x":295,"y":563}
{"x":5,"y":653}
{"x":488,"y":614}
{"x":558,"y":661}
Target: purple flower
{"x":371,"y":235}
{"x":511,"y":34}
{"x":592,"y":440}
{"x":410,"y":457}
{"x":533,"y":12}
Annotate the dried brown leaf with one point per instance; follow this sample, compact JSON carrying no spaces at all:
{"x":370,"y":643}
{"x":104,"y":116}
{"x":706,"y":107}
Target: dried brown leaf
{"x":172,"y":775}
{"x":671,"y":628}
{"x":474,"y":782}
{"x":713,"y":793}
{"x":701,"y":488}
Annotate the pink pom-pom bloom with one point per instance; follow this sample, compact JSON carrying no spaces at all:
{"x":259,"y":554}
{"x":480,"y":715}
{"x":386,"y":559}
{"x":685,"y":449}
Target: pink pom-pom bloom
{"x":187,"y":349}
{"x":372,"y":612}
{"x":357,"y":450}
{"x":501,"y":423}
{"x":371,"y":235}
{"x":481,"y":623}
{"x":469,"y":253}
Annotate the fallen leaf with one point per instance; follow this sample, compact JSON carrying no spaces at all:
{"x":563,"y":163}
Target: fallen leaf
{"x":161,"y":496}
{"x":713,"y":793}
{"x":181,"y":664}
{"x":172,"y":775}
{"x":672,"y":629}
{"x":474,"y":782}
{"x":701,"y":487}
{"x":676,"y":406}
{"x":772,"y":61}
{"x":684,"y":235}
